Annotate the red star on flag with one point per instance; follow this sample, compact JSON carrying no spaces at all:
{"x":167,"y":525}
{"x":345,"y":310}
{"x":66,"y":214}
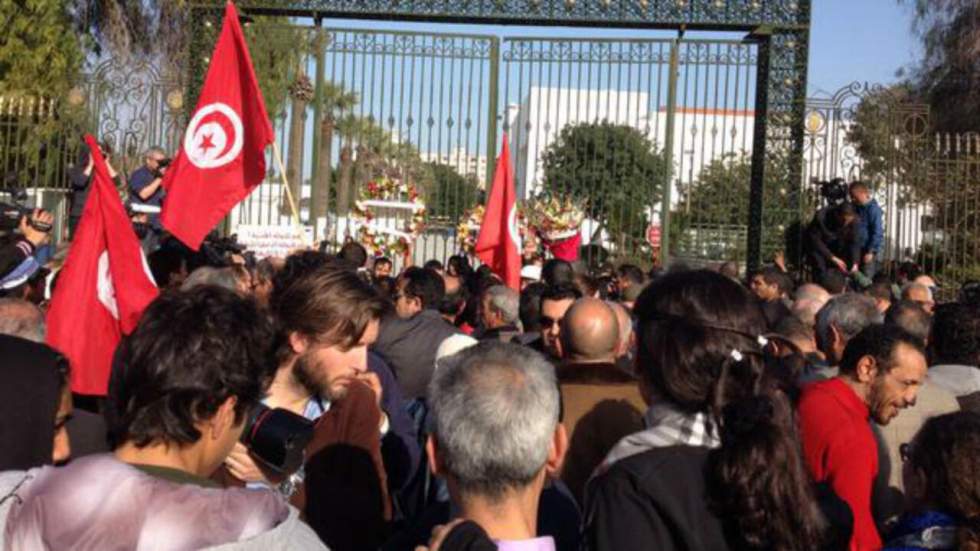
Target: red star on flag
{"x":206,"y":143}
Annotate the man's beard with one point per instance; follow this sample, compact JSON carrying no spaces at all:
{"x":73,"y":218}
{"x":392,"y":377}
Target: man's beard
{"x":878,"y":403}
{"x":306,"y":373}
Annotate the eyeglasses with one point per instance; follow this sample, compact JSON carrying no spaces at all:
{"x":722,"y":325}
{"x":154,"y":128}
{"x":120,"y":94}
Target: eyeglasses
{"x":547,"y":322}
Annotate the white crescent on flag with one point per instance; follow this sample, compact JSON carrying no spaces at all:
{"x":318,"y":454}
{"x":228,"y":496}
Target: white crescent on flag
{"x":214,"y":136}
{"x":512,"y":229}
{"x":105,"y":289}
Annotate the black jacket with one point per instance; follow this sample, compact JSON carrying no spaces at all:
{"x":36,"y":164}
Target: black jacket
{"x":658,"y":500}
{"x":409,"y":348}
{"x":825,"y":239}
{"x":12,"y":253}
{"x":653,"y":500}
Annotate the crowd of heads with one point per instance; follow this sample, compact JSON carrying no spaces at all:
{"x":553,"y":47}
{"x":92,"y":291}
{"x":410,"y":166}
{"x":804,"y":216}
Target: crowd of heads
{"x":733,"y":354}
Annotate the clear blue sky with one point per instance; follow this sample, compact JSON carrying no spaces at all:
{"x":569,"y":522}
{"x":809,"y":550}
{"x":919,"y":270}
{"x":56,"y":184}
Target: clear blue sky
{"x":863,"y":40}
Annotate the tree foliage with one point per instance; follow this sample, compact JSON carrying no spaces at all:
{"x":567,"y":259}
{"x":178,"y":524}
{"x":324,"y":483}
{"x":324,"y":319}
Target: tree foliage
{"x":40,"y":54}
{"x":948,"y":76}
{"x":277,"y":49}
{"x":614,"y":170}
{"x":450,"y":193}
{"x":711,"y":217}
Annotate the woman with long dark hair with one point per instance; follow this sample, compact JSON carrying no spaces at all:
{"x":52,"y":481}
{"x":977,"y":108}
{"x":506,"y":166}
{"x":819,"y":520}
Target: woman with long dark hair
{"x":719,"y":466}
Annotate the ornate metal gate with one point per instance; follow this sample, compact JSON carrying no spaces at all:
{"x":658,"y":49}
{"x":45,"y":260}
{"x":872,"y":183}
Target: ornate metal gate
{"x":129,"y":104}
{"x":475,"y":87}
{"x":602,"y":121}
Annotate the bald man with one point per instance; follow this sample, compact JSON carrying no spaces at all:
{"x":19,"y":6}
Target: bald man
{"x":627,"y":341}
{"x":601,"y":402}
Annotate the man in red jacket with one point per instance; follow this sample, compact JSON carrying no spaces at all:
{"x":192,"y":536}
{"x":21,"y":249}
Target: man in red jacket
{"x":880,"y":373}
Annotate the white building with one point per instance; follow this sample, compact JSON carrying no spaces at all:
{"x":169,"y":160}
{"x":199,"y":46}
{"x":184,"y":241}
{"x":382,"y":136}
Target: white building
{"x":701,"y":135}
{"x":462,"y":160}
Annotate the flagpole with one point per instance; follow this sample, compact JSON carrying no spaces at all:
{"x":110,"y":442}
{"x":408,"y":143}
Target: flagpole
{"x":289,"y":194}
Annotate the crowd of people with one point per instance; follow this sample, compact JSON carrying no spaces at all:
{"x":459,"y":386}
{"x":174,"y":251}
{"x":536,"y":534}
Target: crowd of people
{"x":330,"y":401}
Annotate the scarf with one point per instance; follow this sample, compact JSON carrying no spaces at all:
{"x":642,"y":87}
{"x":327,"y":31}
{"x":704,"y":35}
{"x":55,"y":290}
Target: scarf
{"x":666,"y":426}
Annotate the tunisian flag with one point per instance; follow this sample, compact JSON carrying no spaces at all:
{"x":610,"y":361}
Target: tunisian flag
{"x":103,"y":287}
{"x":499,"y":243}
{"x":222,"y":157}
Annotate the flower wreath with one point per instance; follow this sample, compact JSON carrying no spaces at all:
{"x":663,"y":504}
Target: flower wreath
{"x":554,"y":217}
{"x":388,"y":193}
{"x":468,"y":229}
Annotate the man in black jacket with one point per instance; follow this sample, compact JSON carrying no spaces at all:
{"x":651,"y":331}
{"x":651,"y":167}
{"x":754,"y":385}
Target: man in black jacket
{"x":408,"y":340}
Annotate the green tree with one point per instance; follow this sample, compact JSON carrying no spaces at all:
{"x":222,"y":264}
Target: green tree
{"x":614,"y":170}
{"x":948,"y":75}
{"x":711,"y":217}
{"x":40,"y":54}
{"x":451,"y":194}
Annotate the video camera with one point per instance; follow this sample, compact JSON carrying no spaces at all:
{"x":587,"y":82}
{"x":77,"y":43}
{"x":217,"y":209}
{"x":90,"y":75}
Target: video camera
{"x":834,"y":191}
{"x":216,"y":250}
{"x":161,"y":164}
{"x":13,"y":210}
{"x":277,"y":437}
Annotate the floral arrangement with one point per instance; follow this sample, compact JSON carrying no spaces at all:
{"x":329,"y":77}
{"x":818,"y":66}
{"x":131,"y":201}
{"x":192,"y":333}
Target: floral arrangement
{"x":469,"y":228}
{"x":554,"y":217}
{"x":392,"y":194}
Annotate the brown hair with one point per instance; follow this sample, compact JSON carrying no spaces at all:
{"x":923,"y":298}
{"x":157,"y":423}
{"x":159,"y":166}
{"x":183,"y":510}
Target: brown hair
{"x":330,"y":305}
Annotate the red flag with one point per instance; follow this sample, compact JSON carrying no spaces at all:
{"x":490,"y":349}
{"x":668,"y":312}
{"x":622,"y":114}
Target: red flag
{"x":103,"y":287}
{"x":499,"y":243}
{"x":222,"y":157}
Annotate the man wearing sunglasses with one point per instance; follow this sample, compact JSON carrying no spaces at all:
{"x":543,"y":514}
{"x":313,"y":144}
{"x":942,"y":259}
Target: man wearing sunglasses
{"x":554,"y":303}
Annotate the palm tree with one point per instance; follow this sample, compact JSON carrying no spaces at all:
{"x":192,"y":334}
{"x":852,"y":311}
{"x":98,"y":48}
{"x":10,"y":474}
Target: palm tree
{"x":336,"y":101}
{"x":300,"y":93}
{"x":377,"y":153}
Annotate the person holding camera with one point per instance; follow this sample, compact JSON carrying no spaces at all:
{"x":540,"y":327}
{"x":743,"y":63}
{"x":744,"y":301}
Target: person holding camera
{"x":326,"y":320}
{"x":832,"y":240}
{"x":32,"y":232}
{"x":80,"y":177}
{"x":195,"y":367}
{"x":146,"y":190}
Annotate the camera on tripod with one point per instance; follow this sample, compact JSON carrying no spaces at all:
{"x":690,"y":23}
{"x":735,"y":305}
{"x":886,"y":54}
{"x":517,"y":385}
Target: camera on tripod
{"x":834,"y":192}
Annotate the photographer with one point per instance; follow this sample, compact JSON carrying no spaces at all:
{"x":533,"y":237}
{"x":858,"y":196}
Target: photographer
{"x":146,"y":188}
{"x":80,"y":177}
{"x":20,"y":246}
{"x":832,"y":240}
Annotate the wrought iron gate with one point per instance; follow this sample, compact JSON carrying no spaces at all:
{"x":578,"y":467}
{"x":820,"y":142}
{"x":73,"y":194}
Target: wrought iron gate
{"x":626,"y":127}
